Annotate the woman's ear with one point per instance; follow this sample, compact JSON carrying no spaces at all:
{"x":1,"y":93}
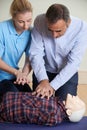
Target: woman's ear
{"x":69,"y":112}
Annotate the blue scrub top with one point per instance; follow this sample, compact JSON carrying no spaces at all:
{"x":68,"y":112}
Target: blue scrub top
{"x":12,"y":46}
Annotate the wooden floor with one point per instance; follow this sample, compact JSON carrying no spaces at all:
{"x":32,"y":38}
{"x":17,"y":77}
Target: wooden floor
{"x":82,"y":92}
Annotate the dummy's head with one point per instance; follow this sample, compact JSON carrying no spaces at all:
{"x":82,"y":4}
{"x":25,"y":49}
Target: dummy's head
{"x":75,"y":108}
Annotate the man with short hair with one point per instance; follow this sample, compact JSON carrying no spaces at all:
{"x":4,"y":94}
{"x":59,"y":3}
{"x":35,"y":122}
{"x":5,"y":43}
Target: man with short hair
{"x":58,"y":44}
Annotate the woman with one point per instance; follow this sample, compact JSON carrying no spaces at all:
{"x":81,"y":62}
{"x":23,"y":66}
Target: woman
{"x":14,"y":41}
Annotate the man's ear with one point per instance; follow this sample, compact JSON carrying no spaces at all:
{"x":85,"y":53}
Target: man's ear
{"x":69,"y":112}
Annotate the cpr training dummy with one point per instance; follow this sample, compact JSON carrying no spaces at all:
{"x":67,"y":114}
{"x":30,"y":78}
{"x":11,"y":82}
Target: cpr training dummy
{"x":23,"y":107}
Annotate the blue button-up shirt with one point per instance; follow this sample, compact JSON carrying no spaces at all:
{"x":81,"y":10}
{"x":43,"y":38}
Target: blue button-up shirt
{"x":61,"y":55}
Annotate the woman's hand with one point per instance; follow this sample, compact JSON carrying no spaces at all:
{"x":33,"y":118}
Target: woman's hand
{"x":21,"y":78}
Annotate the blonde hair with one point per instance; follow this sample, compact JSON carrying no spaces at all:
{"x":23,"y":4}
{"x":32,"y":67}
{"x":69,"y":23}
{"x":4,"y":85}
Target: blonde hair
{"x":20,"y":6}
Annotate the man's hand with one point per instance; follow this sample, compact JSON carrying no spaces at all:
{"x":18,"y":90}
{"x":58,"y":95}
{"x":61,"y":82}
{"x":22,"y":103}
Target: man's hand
{"x":44,"y":89}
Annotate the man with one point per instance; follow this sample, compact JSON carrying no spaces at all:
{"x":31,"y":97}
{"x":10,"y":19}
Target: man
{"x":57,"y":47}
{"x":23,"y":107}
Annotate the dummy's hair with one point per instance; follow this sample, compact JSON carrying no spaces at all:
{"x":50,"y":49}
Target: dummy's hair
{"x":77,"y":115}
{"x":20,"y":6}
{"x":57,"y":12}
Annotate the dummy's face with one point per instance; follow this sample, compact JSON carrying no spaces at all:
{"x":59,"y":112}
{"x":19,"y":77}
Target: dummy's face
{"x":22,"y":21}
{"x":58,"y":29}
{"x":73,"y":103}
